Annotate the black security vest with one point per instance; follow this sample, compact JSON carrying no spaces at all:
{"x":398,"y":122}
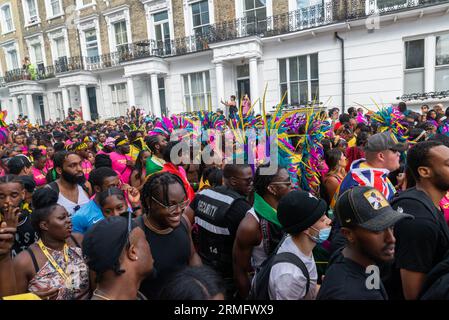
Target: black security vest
{"x":214,"y":236}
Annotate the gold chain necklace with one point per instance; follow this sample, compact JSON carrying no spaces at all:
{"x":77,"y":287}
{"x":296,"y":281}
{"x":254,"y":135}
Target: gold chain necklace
{"x":103,"y":297}
{"x":154,"y":229}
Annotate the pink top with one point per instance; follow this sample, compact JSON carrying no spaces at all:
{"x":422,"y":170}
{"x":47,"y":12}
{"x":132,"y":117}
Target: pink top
{"x":119,"y":165}
{"x":444,"y":204}
{"x":25,"y":150}
{"x":246,"y":105}
{"x":87,"y":168}
{"x":49,"y":164}
{"x":39,"y":177}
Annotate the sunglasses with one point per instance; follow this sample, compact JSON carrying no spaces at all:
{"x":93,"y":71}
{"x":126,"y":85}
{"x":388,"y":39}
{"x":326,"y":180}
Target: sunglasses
{"x":247,"y":181}
{"x":281,"y":183}
{"x":172,"y":209}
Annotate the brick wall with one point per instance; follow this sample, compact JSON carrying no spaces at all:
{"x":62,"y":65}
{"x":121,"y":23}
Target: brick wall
{"x":178,"y":18}
{"x":225,"y":10}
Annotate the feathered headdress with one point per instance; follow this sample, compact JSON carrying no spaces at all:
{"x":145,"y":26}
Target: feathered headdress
{"x":4,"y":131}
{"x":166,"y":126}
{"x":389,"y":119}
{"x":311,"y":151}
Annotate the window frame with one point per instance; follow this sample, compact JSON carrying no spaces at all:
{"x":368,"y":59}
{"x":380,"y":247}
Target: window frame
{"x":116,"y":105}
{"x":309,"y":80}
{"x":202,"y":25}
{"x":205,"y":86}
{"x":4,"y":22}
{"x":49,"y":9}
{"x":27,"y":14}
{"x":439,"y":67}
{"x":414,"y":70}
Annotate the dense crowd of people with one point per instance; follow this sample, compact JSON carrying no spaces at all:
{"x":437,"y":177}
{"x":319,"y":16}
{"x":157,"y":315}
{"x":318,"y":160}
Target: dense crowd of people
{"x":358,"y":208}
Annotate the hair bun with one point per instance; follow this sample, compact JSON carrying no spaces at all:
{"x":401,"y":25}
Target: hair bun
{"x":44,"y":198}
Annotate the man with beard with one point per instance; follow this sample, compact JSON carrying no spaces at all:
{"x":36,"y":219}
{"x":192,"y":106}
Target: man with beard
{"x":71,"y":188}
{"x":423,"y":242}
{"x":157,"y":144}
{"x":367,"y":222}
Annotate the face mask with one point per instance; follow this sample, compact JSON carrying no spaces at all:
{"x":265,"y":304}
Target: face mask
{"x":323,"y":235}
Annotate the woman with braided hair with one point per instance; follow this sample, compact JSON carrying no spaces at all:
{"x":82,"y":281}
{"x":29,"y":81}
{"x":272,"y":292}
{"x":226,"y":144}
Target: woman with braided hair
{"x":53,"y":267}
{"x":167,"y":231}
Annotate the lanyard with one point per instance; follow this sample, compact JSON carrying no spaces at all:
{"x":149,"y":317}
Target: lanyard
{"x":53,"y":262}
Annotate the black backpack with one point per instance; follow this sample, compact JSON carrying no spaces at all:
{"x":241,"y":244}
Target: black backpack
{"x":259,"y":289}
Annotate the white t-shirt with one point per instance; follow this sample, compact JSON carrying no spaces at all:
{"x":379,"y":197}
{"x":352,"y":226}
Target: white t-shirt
{"x":70,"y":206}
{"x":287,"y":282}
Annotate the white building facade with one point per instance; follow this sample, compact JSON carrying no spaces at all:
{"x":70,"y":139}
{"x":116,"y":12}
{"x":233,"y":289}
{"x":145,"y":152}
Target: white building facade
{"x":366,"y":53}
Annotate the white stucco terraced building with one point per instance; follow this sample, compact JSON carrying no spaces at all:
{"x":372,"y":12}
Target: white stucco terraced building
{"x":170,"y":56}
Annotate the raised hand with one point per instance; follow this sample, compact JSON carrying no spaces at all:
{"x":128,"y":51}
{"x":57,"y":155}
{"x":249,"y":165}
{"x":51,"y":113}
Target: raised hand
{"x":133,"y":195}
{"x":6,"y":239}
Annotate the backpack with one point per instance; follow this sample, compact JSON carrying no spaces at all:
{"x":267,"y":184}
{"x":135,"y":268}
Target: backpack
{"x":436,"y":286}
{"x":259,"y":289}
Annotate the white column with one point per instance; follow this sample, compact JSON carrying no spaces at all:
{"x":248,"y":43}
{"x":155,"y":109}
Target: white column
{"x":131,"y":95}
{"x":30,"y":108}
{"x":155,"y":95}
{"x":65,"y":101}
{"x":15,"y":109}
{"x":429,"y":63}
{"x":85,"y":103}
{"x":220,"y":84}
{"x":254,"y":84}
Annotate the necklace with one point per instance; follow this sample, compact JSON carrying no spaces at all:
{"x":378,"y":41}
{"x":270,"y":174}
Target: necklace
{"x":154,"y":228}
{"x":101,"y":296}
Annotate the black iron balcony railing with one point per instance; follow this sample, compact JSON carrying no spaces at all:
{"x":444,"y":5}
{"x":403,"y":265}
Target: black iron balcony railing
{"x":23,"y":74}
{"x":424,"y":96}
{"x":315,"y":16}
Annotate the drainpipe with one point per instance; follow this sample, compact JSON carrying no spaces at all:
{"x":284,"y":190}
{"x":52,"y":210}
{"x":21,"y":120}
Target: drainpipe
{"x":343,"y":79}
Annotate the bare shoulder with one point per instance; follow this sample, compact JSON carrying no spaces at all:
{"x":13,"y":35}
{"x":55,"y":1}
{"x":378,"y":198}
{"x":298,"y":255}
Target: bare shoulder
{"x":249,"y":230}
{"x":78,"y":237}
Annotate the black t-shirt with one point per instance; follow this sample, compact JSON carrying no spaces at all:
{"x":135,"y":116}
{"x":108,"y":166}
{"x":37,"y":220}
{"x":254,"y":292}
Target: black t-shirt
{"x":25,"y":235}
{"x":171,"y":252}
{"x":347,"y":280}
{"x":421,"y":243}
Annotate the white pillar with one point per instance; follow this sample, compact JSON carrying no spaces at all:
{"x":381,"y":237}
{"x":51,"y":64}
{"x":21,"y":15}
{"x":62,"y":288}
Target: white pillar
{"x":220,"y":84}
{"x":155,"y":96}
{"x":30,"y":108}
{"x":131,"y":95}
{"x":65,"y":101}
{"x":85,"y":103}
{"x":254,"y":84}
{"x":429,"y":63}
{"x":15,"y":109}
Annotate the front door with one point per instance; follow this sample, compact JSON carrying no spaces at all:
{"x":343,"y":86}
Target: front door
{"x":40,"y":99}
{"x":92,"y":95}
{"x":243,"y":88}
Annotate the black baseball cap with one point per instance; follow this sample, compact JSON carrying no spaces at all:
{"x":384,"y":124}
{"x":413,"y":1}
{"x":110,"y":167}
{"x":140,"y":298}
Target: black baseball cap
{"x":384,"y":141}
{"x":367,"y":208}
{"x":104,"y":242}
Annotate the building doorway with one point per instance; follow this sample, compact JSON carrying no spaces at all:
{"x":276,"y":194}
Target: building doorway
{"x":243,"y":84}
{"x":92,"y":96}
